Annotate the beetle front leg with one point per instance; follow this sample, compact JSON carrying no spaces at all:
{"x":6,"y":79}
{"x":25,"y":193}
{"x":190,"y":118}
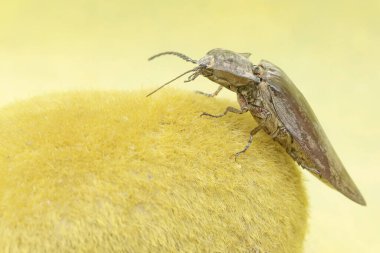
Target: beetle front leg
{"x":210,"y":94}
{"x":228,"y":109}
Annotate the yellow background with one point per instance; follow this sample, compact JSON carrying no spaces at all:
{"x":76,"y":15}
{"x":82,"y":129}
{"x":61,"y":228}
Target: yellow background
{"x":330,"y":50}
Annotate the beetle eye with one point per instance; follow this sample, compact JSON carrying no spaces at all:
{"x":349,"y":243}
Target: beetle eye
{"x":256,"y":70}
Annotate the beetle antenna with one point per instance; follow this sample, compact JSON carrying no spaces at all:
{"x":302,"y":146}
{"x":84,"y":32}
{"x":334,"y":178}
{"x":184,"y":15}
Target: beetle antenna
{"x":162,"y":86}
{"x":182,"y":56}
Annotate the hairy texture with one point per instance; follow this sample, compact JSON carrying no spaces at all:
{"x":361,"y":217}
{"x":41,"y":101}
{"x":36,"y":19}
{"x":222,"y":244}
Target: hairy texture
{"x":118,"y":172}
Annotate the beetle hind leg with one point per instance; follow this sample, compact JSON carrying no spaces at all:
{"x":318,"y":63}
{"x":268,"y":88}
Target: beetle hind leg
{"x":249,"y":143}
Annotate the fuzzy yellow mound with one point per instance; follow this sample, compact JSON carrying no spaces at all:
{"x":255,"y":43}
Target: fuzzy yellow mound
{"x":119,"y":172}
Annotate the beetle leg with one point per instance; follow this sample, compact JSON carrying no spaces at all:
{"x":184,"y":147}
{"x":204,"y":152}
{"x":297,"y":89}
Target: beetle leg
{"x":251,"y":134}
{"x":211,"y":94}
{"x":192,"y":77}
{"x":228,"y":109}
{"x":312,"y":170}
{"x":255,"y":130}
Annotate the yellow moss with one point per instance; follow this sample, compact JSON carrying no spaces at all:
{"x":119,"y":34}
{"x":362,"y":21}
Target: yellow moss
{"x":118,"y":172}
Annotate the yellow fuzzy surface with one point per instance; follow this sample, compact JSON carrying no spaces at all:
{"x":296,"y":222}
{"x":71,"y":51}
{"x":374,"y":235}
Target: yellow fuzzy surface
{"x":119,"y":172}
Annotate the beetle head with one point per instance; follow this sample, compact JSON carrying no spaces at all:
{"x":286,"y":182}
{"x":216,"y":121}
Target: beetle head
{"x":228,"y":68}
{"x":225,"y":67}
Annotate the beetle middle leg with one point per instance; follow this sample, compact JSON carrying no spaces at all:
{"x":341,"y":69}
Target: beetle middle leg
{"x":210,"y":94}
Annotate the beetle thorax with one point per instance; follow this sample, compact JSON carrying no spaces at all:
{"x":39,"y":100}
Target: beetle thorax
{"x":228,"y":80}
{"x":250,"y":93}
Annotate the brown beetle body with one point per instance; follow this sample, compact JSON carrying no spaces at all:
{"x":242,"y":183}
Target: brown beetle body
{"x":310,"y":146}
{"x":281,"y":111}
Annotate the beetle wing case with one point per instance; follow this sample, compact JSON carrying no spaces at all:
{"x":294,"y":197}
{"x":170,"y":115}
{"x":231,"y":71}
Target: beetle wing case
{"x":299,"y":119}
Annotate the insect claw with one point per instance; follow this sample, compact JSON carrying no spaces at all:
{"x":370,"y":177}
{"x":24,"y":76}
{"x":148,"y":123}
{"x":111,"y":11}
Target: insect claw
{"x":236,"y":155}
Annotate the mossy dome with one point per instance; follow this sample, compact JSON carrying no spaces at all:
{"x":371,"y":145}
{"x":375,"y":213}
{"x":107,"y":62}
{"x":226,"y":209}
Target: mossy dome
{"x":119,"y":172}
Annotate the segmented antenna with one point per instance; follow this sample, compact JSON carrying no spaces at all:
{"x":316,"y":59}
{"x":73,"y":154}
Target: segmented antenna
{"x":182,"y":56}
{"x":162,"y":86}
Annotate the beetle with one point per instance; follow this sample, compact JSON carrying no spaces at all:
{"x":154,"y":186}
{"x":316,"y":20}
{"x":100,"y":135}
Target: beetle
{"x":280,"y":109}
